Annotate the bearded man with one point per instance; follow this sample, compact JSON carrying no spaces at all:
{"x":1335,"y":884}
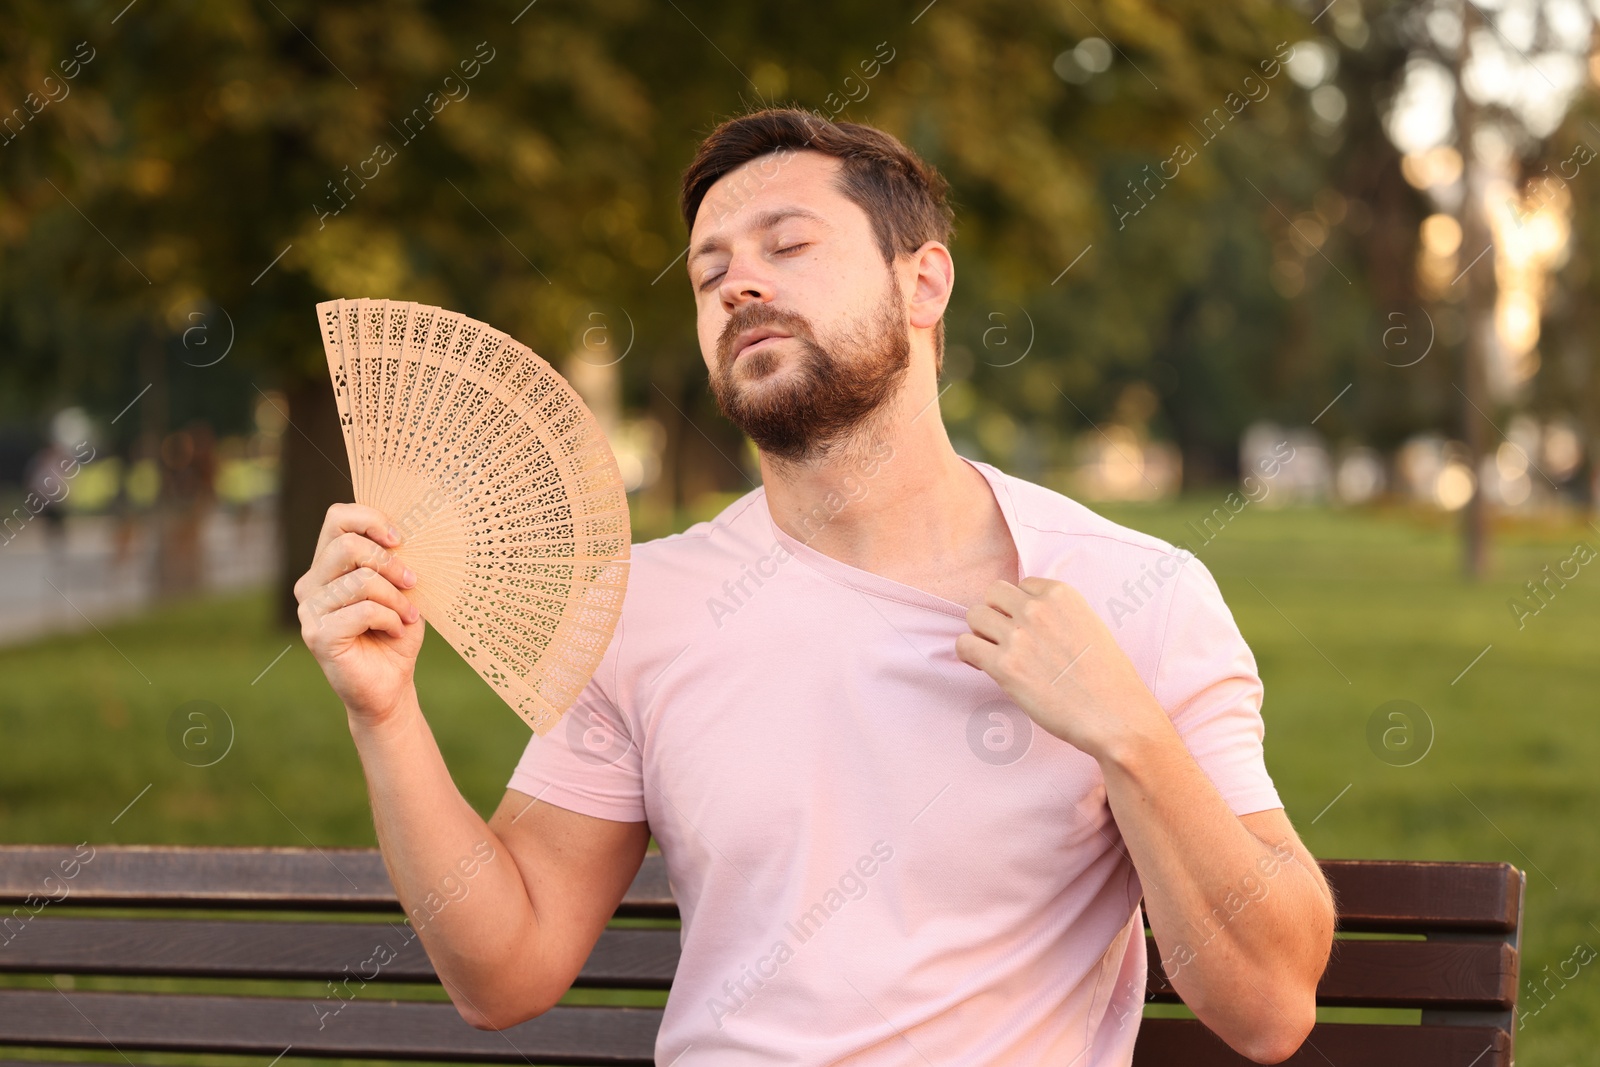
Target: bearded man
{"x":910,"y":777}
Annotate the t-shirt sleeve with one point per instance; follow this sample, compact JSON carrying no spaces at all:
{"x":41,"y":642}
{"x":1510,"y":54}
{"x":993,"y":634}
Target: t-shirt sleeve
{"x":1206,"y":679}
{"x":590,"y":763}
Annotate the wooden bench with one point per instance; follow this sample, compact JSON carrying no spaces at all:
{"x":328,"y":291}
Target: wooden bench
{"x":329,"y":916}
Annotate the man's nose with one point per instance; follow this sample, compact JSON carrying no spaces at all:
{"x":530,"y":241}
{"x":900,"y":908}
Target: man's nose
{"x":746,"y":282}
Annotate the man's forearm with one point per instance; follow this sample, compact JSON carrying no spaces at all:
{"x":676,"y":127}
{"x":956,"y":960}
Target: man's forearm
{"x":453,"y":875}
{"x":1244,"y":927}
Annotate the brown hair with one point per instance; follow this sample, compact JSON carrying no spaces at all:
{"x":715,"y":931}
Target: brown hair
{"x":903,"y":196}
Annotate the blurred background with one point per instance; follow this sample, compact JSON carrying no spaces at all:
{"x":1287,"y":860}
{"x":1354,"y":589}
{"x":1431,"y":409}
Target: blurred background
{"x":1306,"y":288}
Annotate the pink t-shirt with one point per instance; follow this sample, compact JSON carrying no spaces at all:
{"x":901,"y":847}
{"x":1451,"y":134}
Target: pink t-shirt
{"x":878,"y":857}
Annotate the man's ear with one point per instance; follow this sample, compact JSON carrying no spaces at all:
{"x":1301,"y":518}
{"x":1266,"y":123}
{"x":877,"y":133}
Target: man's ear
{"x":934,"y":280}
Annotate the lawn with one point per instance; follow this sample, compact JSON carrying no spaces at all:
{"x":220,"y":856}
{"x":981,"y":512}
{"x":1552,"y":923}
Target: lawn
{"x":1346,"y":611}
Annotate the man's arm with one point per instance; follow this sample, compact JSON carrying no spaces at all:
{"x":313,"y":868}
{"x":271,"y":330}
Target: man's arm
{"x":508,"y":941}
{"x":1240,"y":910}
{"x":1241,"y":913}
{"x":508,"y":910}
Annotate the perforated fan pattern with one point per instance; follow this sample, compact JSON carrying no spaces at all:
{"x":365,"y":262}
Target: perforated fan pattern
{"x":506,"y":494}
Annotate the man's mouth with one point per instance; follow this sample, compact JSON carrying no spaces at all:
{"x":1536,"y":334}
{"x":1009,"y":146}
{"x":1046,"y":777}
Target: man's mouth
{"x":759,"y":337}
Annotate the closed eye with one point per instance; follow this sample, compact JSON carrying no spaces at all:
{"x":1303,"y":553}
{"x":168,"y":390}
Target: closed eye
{"x":711,"y":279}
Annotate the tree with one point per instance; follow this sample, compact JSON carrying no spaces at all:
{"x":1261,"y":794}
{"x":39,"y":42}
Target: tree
{"x":521,"y":166}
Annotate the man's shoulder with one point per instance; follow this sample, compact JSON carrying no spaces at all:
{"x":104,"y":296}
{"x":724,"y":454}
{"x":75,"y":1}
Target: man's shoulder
{"x":675,"y":581}
{"x":742,"y":522}
{"x":664,"y":569}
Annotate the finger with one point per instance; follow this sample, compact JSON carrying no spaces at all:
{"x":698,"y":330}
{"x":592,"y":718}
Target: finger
{"x":322,"y":632}
{"x":341,"y":556}
{"x":364,"y":583}
{"x":974,"y":651}
{"x":377,"y":588}
{"x":989,"y":624}
{"x":1038,"y":586}
{"x":350,"y":551}
{"x":1006,"y":597}
{"x":353,"y":620}
{"x":357,"y":518}
{"x":1063,"y":594}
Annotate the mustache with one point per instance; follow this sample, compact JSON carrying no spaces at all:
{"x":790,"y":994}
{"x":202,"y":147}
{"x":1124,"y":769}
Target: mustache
{"x":753,"y":315}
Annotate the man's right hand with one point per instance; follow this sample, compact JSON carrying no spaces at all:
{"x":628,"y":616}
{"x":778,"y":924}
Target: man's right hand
{"x":353,"y":616}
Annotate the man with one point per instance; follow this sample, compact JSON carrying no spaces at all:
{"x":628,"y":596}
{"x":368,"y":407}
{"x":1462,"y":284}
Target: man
{"x":910,"y":773}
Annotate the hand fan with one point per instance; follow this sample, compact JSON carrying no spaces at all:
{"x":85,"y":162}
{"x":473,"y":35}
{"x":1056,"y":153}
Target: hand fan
{"x":502,"y":485}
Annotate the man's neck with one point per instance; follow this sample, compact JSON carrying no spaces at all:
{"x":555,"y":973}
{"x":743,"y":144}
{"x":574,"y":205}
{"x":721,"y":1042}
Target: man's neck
{"x":895,"y":500}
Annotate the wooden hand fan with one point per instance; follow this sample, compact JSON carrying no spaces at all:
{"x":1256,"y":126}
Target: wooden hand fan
{"x":502,"y":485}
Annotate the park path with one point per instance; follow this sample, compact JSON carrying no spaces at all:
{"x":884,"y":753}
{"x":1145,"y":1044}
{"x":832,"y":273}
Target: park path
{"x":80,"y":582}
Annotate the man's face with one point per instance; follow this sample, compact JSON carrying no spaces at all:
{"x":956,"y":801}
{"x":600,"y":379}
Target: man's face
{"x":802,"y":325}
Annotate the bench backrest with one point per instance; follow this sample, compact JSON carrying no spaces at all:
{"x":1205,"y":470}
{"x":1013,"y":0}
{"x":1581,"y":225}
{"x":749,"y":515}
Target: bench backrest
{"x":1440,"y":937}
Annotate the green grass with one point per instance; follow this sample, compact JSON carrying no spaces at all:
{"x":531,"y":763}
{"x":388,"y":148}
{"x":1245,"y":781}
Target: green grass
{"x":85,"y":722}
{"x":1345,"y":611}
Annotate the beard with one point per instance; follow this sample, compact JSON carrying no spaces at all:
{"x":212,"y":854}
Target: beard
{"x":831,"y":393}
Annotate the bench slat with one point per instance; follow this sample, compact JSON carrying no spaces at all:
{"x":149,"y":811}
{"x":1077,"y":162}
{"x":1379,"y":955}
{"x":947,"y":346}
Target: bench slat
{"x":1460,"y":975}
{"x":1454,"y":975}
{"x":1382,"y":896}
{"x":1163,"y":1042}
{"x":362,"y":1029}
{"x":576,"y":1035}
{"x":389,"y":952}
{"x":329,"y":879}
{"x":1374,"y":896}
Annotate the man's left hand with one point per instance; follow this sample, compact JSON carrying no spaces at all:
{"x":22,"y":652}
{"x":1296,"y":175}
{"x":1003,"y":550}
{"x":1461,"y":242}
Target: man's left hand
{"x":1055,"y":658}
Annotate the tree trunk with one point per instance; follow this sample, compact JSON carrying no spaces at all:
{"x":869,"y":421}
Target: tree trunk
{"x":1480,"y":284}
{"x":702,"y":453}
{"x":316,"y":475}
